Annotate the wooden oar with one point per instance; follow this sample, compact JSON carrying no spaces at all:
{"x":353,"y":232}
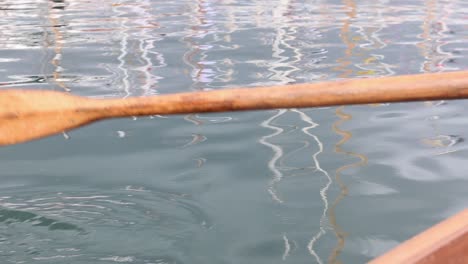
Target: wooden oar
{"x":32,"y":114}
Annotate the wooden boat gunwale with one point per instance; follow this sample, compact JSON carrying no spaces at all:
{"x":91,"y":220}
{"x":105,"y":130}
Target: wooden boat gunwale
{"x":445,"y":242}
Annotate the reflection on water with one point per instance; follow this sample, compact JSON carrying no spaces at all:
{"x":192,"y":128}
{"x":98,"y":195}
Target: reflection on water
{"x":326,"y":185}
{"x":57,"y":40}
{"x":362,"y":161}
{"x":434,"y":36}
{"x":89,"y":221}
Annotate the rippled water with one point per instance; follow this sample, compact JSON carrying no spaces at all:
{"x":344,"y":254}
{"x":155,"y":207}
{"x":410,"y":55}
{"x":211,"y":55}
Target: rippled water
{"x":326,"y":185}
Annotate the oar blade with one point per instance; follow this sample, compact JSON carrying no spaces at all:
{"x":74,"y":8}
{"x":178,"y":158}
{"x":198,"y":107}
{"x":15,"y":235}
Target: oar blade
{"x":27,"y":115}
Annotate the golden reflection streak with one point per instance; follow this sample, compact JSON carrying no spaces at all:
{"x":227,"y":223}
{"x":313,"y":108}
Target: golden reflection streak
{"x":426,"y":36}
{"x":425,"y":48}
{"x":58,"y":47}
{"x":344,"y":67}
{"x":344,"y":62}
{"x":346,"y":37}
{"x":346,"y":135}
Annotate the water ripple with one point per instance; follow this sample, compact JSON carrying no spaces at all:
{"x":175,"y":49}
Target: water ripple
{"x":140,"y":214}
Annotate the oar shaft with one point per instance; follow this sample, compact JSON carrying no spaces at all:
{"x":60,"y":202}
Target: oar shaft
{"x":451,"y":85}
{"x":31,"y":114}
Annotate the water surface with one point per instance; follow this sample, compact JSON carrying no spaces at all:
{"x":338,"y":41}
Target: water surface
{"x":324,"y":185}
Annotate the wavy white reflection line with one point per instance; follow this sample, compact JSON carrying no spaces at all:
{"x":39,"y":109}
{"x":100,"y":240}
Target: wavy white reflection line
{"x":279,"y":74}
{"x":145,"y":69}
{"x":56,"y":257}
{"x":150,"y":79}
{"x":196,"y":139}
{"x":323,"y":191}
{"x":278,"y":153}
{"x":146,"y":44}
{"x":287,"y":247}
{"x":123,"y":53}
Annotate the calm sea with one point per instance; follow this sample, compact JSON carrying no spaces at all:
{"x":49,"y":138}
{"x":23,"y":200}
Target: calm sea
{"x":324,"y":185}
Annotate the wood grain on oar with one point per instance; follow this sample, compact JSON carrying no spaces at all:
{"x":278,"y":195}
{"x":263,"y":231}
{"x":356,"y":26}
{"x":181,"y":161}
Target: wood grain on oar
{"x":26,"y":115}
{"x":31,"y":114}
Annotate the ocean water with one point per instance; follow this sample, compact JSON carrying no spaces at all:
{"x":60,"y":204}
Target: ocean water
{"x":320,"y":185}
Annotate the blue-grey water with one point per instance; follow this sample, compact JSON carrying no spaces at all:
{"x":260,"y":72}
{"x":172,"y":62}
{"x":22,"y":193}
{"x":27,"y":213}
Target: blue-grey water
{"x":325,"y":185}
